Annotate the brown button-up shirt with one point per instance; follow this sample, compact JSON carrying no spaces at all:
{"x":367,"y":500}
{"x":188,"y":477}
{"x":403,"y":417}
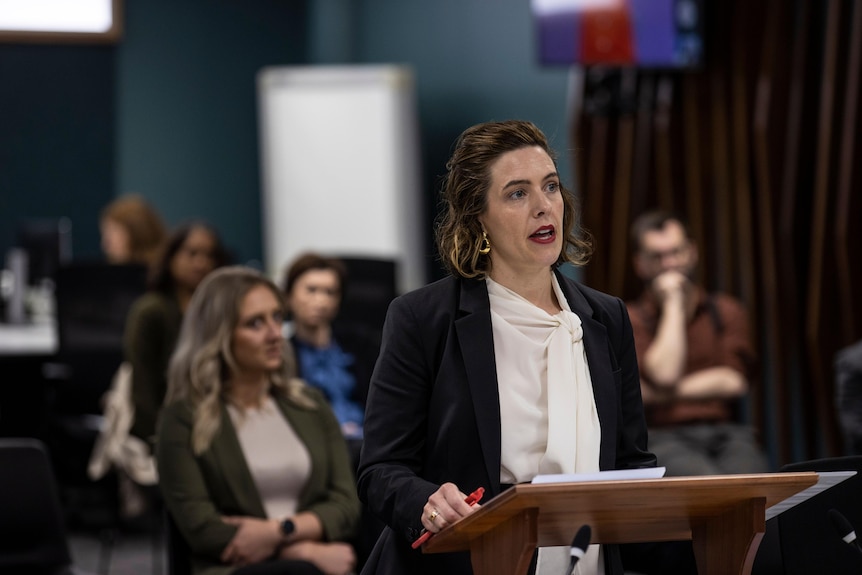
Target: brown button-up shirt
{"x":718,"y":335}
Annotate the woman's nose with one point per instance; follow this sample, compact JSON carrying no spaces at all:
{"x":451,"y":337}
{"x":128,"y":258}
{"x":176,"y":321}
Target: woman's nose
{"x":543,"y":204}
{"x":273,"y":329}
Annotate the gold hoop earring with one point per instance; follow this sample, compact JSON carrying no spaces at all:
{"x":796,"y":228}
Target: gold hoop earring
{"x":485,"y":246}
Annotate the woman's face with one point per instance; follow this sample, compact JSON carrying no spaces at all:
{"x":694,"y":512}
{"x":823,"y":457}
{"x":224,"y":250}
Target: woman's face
{"x":314,"y":298}
{"x":257,"y":340}
{"x":194,"y":260}
{"x":524,"y":213}
{"x":115,"y":241}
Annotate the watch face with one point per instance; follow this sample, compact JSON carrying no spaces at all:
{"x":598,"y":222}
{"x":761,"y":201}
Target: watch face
{"x":287,"y":527}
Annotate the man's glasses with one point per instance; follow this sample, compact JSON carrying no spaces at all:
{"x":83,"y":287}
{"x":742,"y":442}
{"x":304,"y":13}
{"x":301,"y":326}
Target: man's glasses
{"x":653,"y":257}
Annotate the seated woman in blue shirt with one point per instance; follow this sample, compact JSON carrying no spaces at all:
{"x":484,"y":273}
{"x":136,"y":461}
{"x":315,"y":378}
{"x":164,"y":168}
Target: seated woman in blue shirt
{"x":337,"y":361}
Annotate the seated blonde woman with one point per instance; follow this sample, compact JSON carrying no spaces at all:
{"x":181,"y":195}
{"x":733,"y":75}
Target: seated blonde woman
{"x":253,"y":467}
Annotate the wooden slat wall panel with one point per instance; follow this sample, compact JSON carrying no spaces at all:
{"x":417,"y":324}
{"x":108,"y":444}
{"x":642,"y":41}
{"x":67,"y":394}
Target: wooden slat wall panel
{"x":617,"y":239}
{"x":766,"y":231}
{"x":789,"y":264}
{"x":741,"y":234}
{"x":594,"y":165}
{"x":848,"y":154}
{"x":758,"y":149}
{"x":719,"y":144}
{"x":661,"y":129}
{"x":693,"y":164}
{"x":643,"y":143}
{"x":815,"y":307}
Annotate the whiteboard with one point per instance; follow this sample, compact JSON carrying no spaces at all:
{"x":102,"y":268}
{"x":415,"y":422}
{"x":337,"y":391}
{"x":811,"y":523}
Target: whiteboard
{"x":340,"y":166}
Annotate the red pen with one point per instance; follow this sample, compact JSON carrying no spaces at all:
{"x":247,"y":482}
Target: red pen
{"x":470,"y":500}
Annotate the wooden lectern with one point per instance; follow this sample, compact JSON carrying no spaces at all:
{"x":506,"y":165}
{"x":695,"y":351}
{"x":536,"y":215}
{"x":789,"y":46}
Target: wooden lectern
{"x":722,"y":515}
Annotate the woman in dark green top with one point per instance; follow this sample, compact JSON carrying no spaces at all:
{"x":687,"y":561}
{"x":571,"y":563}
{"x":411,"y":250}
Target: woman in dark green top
{"x":190,"y":253}
{"x":252,"y":463}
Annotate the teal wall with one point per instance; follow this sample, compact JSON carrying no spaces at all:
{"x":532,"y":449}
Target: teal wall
{"x":56,"y":138}
{"x":474,"y":61}
{"x":186,"y":106}
{"x":170,"y":111}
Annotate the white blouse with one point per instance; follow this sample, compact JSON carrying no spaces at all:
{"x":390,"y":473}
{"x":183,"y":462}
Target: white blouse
{"x":549,"y":420}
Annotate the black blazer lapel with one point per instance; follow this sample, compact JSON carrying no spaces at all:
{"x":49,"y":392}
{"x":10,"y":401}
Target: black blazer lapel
{"x":601,"y":368}
{"x":476,"y":341}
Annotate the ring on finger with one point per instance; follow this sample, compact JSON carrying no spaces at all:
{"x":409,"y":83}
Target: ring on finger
{"x":433,"y":515}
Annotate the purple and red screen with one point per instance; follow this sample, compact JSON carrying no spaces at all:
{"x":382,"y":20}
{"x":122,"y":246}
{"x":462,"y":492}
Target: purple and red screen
{"x":649,"y":33}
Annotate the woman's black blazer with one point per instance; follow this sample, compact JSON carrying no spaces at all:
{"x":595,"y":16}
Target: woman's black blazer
{"x":433,"y":412}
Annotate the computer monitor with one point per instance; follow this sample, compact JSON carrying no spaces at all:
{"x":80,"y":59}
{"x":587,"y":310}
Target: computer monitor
{"x":48,"y":244}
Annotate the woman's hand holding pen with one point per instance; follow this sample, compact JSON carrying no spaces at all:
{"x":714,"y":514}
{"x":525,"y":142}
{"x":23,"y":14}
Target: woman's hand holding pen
{"x":446,"y":505}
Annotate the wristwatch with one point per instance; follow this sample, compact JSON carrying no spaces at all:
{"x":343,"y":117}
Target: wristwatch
{"x":287,"y":527}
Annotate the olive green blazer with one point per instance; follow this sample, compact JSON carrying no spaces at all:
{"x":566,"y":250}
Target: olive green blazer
{"x":199,"y":490}
{"x":152,"y":326}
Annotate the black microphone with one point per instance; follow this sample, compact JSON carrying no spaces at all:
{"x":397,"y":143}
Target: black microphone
{"x":579,"y":546}
{"x":843,"y":528}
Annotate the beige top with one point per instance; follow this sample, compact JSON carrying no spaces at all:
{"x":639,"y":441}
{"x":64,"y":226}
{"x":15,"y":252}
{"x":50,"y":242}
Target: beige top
{"x":277,"y":459}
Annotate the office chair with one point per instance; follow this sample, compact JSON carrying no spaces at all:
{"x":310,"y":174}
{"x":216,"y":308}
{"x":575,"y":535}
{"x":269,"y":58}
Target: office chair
{"x":802,"y":539}
{"x":93,"y":300}
{"x":32,"y":531}
{"x":370,"y":287}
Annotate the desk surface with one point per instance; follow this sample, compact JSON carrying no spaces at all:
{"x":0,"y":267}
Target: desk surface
{"x":28,"y":339}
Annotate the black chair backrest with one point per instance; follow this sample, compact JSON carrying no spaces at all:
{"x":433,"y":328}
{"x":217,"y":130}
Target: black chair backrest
{"x":93,"y":300}
{"x":809,"y":543}
{"x":32,"y":529}
{"x":371,"y":286}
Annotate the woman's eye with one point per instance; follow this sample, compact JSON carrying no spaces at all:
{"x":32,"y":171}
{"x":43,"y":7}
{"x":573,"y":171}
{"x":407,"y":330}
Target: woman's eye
{"x":553,"y":187}
{"x":518,"y":194}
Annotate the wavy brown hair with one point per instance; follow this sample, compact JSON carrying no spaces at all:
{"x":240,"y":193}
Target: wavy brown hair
{"x":465,"y":190}
{"x":202,"y":361}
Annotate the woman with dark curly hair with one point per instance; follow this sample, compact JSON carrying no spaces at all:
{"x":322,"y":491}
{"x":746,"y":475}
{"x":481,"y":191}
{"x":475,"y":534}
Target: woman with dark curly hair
{"x":191,"y":252}
{"x":503,"y":371}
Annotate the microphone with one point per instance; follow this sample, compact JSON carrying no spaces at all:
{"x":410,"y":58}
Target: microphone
{"x":579,"y":546}
{"x":843,"y":528}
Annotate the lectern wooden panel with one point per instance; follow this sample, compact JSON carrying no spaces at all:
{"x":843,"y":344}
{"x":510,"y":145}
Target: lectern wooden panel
{"x":723,"y":515}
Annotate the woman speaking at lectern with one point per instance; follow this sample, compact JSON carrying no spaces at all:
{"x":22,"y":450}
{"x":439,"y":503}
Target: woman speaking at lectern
{"x":502,"y":371}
